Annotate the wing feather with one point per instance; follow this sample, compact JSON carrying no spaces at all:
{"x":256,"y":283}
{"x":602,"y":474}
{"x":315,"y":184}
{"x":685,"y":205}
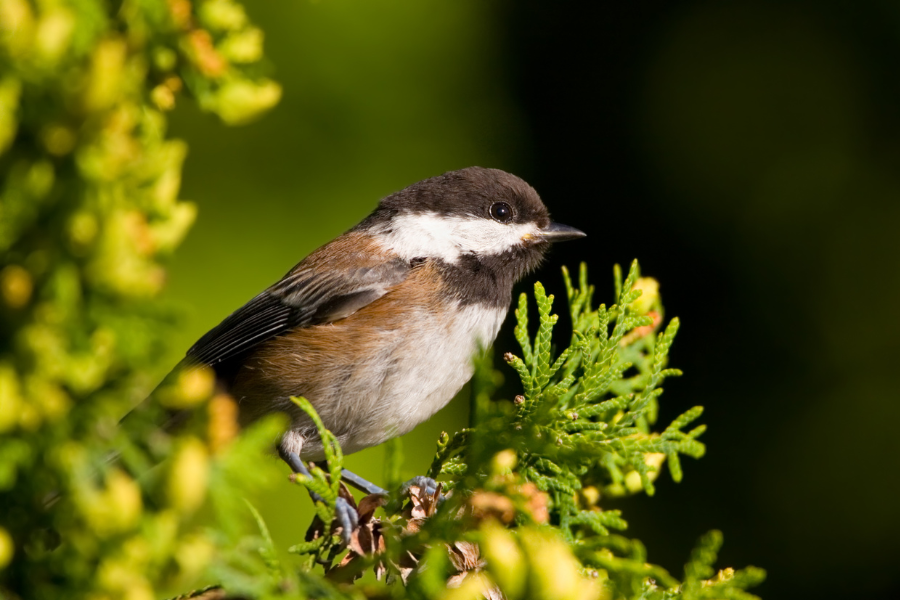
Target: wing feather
{"x":308,"y":295}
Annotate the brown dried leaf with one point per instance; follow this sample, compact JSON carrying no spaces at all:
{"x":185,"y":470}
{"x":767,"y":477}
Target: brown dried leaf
{"x":421,"y":504}
{"x":465,"y":556}
{"x":537,"y":502}
{"x":368,"y":505}
{"x":490,"y":504}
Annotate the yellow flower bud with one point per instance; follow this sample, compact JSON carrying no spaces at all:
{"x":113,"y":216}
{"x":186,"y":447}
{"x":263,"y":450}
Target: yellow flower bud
{"x":53,"y":402}
{"x":505,"y":562}
{"x":10,"y":397}
{"x":651,"y":459}
{"x":7,"y":548}
{"x":114,"y":508}
{"x":163,"y":97}
{"x":16,"y":26}
{"x":554,"y":572}
{"x":181,"y":13}
{"x":15,"y":286}
{"x":124,"y":499}
{"x":39,"y":178}
{"x":106,"y":74}
{"x":124,"y":579}
{"x":54,"y":31}
{"x":188,"y":476}
{"x":10,"y":88}
{"x":204,"y":56}
{"x":726,"y":574}
{"x":243,"y":47}
{"x":193,"y":555}
{"x":504,"y":462}
{"x":29,"y":416}
{"x":189,"y":388}
{"x":82,"y":230}
{"x":196,"y":385}
{"x":591,"y":495}
{"x":222,"y":15}
{"x":168,"y":234}
{"x":58,"y":139}
{"x":241,"y":101}
{"x":223,"y":422}
{"x":649,"y":294}
{"x":165,"y":59}
{"x":475,"y":586}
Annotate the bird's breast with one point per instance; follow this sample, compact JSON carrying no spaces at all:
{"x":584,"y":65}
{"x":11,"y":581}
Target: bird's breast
{"x":375,"y":374}
{"x":432,"y":368}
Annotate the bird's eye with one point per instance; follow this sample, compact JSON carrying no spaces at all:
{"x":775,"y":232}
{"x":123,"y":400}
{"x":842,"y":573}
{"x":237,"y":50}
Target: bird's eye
{"x":501,"y":211}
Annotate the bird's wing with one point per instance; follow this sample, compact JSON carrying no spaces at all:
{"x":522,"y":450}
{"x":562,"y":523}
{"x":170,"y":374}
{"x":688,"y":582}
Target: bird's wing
{"x":314,"y":292}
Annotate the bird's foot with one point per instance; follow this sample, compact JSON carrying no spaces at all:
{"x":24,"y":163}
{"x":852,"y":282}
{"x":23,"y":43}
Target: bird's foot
{"x":345,"y":512}
{"x":426,"y":485}
{"x":424,"y":495}
{"x":347,"y":517}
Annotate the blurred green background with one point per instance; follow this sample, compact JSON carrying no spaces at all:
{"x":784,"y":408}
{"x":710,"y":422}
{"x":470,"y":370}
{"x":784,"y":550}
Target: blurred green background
{"x":746,"y":152}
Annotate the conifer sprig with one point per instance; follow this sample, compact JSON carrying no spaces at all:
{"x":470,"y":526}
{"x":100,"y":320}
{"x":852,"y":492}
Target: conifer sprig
{"x":584,"y":420}
{"x":581,"y":431}
{"x":326,"y":486}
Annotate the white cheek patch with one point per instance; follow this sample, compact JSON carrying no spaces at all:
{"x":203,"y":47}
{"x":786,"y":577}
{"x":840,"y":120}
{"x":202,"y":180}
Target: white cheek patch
{"x":448,"y":238}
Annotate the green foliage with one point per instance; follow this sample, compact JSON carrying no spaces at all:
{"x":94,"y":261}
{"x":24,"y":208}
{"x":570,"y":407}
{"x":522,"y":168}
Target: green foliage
{"x":327,"y":486}
{"x":582,"y":414}
{"x":529,"y":478}
{"x":88,"y":211}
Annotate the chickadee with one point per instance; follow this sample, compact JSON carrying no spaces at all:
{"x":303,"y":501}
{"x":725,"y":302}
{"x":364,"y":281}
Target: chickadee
{"x":378,"y":328}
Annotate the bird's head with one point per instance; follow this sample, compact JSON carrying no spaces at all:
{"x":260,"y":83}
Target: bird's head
{"x":475,"y":214}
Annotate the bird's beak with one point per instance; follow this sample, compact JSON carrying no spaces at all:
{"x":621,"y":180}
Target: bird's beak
{"x":554,"y":232}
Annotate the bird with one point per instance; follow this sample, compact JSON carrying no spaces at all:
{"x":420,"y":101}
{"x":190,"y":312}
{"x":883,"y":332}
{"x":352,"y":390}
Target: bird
{"x":379,"y":327}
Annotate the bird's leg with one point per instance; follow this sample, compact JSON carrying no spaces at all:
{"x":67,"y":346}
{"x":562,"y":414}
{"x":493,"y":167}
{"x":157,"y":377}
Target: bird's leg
{"x":361,"y":484}
{"x":345,"y":514}
{"x":426,"y":484}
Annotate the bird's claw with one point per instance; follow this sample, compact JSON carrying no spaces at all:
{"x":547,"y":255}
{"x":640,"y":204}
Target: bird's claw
{"x":347,"y":517}
{"x":426,"y":485}
{"x":344,"y":512}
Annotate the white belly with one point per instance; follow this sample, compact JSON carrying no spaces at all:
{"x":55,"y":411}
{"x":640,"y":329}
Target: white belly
{"x":414,"y":378}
